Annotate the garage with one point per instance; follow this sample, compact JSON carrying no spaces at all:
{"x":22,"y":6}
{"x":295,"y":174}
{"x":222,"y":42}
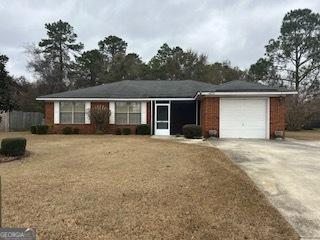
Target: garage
{"x":244,"y":118}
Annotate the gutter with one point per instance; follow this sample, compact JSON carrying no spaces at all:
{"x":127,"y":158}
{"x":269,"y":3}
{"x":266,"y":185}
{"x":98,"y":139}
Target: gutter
{"x":114,"y":99}
{"x":248,"y":93}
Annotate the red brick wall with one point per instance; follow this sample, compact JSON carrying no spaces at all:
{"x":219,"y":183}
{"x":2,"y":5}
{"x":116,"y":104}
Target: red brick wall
{"x":209,"y":114}
{"x":86,"y":128}
{"x":277,"y":115}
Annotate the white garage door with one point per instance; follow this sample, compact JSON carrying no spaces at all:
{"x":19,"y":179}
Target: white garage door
{"x":243,"y":118}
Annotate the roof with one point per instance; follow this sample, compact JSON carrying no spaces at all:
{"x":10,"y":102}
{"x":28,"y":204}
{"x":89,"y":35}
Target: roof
{"x":160,"y":89}
{"x":243,"y":86}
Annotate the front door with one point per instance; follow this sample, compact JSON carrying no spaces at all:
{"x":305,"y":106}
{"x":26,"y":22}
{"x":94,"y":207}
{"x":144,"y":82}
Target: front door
{"x":162,"y":119}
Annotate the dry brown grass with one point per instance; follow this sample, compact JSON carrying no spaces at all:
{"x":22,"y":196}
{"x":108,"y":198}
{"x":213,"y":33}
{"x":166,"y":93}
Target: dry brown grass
{"x":304,"y":134}
{"x":117,"y":187}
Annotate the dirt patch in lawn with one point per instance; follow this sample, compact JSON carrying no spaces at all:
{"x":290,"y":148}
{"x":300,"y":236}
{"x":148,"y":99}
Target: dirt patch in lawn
{"x":117,"y":187}
{"x":304,"y":134}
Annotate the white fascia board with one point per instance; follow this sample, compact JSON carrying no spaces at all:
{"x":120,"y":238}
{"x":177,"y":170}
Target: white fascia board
{"x":114,"y":99}
{"x":247,"y":93}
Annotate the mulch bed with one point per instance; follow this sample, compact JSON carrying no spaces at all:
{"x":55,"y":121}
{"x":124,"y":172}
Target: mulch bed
{"x":4,"y":158}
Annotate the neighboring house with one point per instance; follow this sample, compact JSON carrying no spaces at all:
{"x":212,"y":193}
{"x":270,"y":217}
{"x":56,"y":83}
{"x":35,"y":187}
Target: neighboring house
{"x":235,"y":109}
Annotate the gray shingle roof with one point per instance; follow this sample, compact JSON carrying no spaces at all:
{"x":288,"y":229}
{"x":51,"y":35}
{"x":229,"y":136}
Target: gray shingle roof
{"x":159,"y":89}
{"x":243,"y":86}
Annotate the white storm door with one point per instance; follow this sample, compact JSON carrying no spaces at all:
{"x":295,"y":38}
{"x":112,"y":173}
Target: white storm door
{"x":162,"y":119}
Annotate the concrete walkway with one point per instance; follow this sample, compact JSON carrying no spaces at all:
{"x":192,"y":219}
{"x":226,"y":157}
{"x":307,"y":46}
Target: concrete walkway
{"x":288,"y":172}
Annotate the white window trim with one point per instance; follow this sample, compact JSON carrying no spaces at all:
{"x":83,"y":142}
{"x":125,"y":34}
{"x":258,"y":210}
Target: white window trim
{"x":143,"y":109}
{"x":87,"y":108}
{"x":56,"y":112}
{"x":112,"y":110}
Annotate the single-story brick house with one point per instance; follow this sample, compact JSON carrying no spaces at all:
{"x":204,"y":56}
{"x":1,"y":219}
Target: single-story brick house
{"x":235,"y":109}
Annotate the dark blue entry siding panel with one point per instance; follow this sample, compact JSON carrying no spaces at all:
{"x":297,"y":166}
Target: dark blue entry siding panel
{"x":182,"y":112}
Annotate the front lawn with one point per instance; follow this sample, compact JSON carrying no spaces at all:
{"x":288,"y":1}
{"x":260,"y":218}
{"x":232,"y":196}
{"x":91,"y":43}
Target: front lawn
{"x":304,"y":134}
{"x":130,"y":187}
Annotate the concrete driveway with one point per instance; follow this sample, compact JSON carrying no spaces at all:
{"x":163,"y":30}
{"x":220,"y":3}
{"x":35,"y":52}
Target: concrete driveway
{"x":288,"y":172}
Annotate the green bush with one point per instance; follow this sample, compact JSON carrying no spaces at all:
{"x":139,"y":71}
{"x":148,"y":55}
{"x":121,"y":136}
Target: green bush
{"x":76,"y":131}
{"x":143,"y":129}
{"x":126,"y":131}
{"x":67,"y":130}
{"x":42,"y":129}
{"x":118,"y":131}
{"x":33,"y":129}
{"x":192,"y":131}
{"x":13,"y":146}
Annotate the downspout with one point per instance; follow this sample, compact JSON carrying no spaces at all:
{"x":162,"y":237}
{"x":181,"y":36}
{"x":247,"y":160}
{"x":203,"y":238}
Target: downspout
{"x":197,"y":112}
{"x":151,"y":117}
{"x":197,"y":106}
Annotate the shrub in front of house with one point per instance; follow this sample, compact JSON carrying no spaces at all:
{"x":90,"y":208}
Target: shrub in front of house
{"x":143,"y":129}
{"x":118,"y":131}
{"x":42,"y":129}
{"x":67,"y":130}
{"x":33,"y":129}
{"x":126,"y":131}
{"x":192,"y":131}
{"x":99,"y":117}
{"x":76,"y":131}
{"x":13,"y":146}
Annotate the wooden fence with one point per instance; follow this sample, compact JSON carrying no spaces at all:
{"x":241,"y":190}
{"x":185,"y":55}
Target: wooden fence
{"x":20,"y":121}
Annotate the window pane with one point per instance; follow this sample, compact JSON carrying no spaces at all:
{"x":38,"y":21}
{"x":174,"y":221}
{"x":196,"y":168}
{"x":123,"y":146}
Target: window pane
{"x":121,"y":118}
{"x":79,"y":106}
{"x":65,"y":117}
{"x":66,"y":106}
{"x":134,"y":118}
{"x":162,"y":125}
{"x":162,"y":113}
{"x":134,"y":107}
{"x":78,"y":118}
{"x":121,"y":107}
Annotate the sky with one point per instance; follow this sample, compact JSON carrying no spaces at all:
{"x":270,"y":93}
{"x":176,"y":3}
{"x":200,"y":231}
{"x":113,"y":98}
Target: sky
{"x":234,"y":30}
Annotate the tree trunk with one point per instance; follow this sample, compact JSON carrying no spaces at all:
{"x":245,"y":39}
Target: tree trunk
{"x":61,"y":65}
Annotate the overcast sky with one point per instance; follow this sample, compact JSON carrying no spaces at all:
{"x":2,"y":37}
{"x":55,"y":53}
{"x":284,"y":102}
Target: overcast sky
{"x":235,"y":30}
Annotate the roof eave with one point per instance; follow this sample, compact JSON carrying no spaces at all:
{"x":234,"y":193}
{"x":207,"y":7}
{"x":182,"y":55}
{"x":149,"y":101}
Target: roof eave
{"x":270,"y":94}
{"x":115,"y":99}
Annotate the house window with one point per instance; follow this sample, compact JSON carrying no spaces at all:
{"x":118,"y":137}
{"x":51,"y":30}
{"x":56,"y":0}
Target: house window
{"x":128,"y":113}
{"x":72,"y":112}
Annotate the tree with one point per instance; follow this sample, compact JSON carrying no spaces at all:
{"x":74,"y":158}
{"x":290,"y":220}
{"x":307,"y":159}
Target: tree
{"x":111,"y":46}
{"x":7,"y":90}
{"x":89,"y":69}
{"x":26,"y":94}
{"x":265,"y":71}
{"x":175,"y":63}
{"x":296,"y":52}
{"x":55,"y":53}
{"x":113,"y":49}
{"x":133,"y":67}
{"x":165,"y":64}
{"x":293,"y":59}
